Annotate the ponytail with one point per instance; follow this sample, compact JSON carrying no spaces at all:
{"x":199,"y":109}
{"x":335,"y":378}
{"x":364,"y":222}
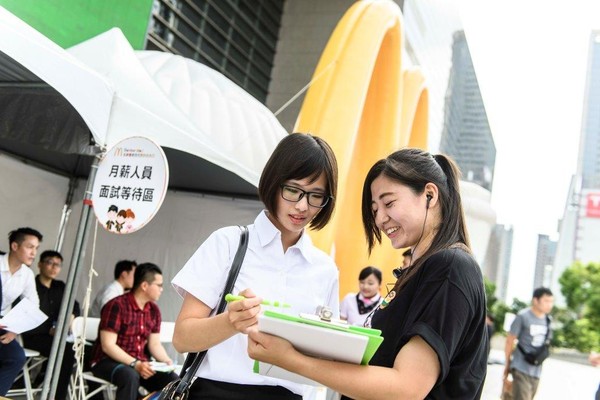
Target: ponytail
{"x":454,"y":209}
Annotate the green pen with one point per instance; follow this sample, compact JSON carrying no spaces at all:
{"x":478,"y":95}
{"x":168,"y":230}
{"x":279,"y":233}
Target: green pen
{"x":231,"y":297}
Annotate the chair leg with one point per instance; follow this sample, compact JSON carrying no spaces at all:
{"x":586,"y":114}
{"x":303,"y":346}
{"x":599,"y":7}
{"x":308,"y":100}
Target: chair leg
{"x":27,"y":379}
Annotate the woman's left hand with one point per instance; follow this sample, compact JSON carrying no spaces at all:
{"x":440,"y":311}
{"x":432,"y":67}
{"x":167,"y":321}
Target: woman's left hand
{"x":268,"y":348}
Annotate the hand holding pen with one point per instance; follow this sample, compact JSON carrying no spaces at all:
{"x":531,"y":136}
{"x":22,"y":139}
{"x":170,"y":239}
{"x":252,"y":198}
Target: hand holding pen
{"x":243,"y":313}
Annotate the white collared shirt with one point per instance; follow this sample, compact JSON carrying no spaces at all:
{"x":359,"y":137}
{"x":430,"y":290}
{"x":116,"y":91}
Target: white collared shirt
{"x":106,"y":294}
{"x":22,"y":282}
{"x":304,"y":277}
{"x":349,"y":310}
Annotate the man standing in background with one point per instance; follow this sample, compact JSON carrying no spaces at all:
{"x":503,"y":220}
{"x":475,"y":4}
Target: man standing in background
{"x":531,"y":328}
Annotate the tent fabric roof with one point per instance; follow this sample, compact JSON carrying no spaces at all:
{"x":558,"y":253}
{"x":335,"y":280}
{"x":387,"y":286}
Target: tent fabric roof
{"x":29,"y":58}
{"x":55,"y":105}
{"x":183,"y":105}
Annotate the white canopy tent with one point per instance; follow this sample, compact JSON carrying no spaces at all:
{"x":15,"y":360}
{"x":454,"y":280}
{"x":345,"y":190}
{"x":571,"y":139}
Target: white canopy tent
{"x":29,"y":57}
{"x":57,"y":111}
{"x":182,"y":105}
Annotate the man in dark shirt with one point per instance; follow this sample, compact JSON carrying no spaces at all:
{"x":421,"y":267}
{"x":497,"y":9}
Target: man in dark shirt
{"x":51,"y":291}
{"x":130,"y":334}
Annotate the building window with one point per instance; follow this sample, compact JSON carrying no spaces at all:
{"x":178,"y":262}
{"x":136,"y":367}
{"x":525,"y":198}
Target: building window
{"x":230,"y":36}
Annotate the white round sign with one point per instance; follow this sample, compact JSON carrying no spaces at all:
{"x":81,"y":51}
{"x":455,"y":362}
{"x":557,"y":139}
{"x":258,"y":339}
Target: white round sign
{"x":130,"y":185}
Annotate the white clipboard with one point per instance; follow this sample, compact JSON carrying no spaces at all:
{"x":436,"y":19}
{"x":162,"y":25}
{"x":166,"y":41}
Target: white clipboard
{"x":317,"y":338}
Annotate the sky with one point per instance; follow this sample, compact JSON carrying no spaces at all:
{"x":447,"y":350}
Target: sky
{"x":530,"y":58}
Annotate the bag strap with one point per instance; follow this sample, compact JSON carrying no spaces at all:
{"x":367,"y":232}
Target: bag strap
{"x":188,"y":373}
{"x":547,"y":330}
{"x":545,"y":339}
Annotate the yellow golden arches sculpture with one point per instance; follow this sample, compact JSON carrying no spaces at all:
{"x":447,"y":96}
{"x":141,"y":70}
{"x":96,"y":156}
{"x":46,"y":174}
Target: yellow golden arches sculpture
{"x":365,"y":105}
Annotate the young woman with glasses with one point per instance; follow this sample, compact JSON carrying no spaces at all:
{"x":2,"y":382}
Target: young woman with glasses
{"x":433,"y":321}
{"x":298,"y":187}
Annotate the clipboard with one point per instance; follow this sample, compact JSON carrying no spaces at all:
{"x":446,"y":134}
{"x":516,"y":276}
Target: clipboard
{"x":315,"y":337}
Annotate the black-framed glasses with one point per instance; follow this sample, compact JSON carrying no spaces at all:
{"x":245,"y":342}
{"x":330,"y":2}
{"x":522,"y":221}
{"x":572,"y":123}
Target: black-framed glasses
{"x":53,"y":263}
{"x":294,"y":194}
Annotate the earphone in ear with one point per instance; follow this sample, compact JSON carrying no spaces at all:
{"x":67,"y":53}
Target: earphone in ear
{"x":429,"y":197}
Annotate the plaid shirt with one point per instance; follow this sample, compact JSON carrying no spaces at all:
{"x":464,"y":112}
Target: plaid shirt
{"x":132,"y":325}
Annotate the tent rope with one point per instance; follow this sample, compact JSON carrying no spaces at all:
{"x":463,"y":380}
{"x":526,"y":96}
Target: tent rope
{"x":79,"y":342}
{"x":305,"y":88}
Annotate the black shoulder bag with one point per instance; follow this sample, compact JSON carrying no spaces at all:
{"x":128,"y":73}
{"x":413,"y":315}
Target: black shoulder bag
{"x":538,"y":356}
{"x":179,"y":389}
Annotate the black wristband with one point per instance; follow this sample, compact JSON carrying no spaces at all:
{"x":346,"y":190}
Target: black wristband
{"x":132,"y":364}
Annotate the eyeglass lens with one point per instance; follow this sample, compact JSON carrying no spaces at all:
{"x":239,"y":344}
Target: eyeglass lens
{"x":315,"y":199}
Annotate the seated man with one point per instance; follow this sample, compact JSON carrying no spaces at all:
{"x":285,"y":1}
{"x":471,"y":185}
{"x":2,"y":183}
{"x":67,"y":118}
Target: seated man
{"x":16,"y":281}
{"x":51,"y":291}
{"x":129,"y":325}
{"x":123,"y":273}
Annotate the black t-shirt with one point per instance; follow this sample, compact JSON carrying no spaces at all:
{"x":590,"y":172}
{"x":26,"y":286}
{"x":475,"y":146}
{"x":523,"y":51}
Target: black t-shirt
{"x":50,"y":301}
{"x":443,"y":303}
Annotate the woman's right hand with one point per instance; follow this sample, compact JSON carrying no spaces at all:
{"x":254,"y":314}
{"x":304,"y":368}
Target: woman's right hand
{"x":243,"y":314}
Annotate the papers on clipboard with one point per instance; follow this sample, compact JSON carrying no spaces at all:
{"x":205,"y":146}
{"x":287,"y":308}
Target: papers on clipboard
{"x":312,"y":336}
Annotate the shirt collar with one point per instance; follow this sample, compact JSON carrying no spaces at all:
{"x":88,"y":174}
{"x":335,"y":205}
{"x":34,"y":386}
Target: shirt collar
{"x":4,"y":264}
{"x":267,"y":233}
{"x":134,"y":303}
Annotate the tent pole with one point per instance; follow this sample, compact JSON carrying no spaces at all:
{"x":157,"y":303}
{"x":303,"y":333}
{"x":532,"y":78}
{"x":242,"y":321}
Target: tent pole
{"x":58,"y":344}
{"x":65,"y":214}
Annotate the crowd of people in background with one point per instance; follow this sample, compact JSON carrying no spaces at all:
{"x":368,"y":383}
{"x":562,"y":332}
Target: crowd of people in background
{"x":129,"y":320}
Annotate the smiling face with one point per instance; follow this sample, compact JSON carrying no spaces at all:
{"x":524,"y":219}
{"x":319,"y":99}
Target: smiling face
{"x":369,"y":286}
{"x":291,"y":217}
{"x":399,"y":212}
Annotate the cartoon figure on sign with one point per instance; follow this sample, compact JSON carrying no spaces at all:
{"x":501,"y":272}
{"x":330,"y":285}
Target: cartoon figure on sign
{"x":120,"y":221}
{"x":112,"y":217}
{"x":129,"y":217}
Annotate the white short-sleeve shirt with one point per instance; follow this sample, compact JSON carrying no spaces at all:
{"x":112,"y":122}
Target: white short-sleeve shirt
{"x":106,"y":294}
{"x":349,"y":310}
{"x":305,"y":277}
{"x":14,"y":285}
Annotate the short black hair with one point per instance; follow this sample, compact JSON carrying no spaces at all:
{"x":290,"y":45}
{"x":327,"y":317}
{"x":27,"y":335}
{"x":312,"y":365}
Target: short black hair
{"x":299,"y":156}
{"x":112,"y":207}
{"x":50,"y":254}
{"x":124,"y":266}
{"x":18,"y":235}
{"x":366,"y":271}
{"x":145,"y":273}
{"x":541,"y":291}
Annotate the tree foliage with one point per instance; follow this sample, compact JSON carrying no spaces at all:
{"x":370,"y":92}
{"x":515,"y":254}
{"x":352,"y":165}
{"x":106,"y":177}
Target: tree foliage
{"x":580,"y":284}
{"x":496,"y":308}
{"x":578,"y":325}
{"x":580,"y":322}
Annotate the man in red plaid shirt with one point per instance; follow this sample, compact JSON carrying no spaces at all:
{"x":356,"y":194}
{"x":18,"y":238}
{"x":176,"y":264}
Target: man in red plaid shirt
{"x":129,"y":335}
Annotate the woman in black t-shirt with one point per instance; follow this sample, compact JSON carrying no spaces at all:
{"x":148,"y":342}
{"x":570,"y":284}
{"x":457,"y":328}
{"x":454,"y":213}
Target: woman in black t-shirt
{"x":433,"y":321}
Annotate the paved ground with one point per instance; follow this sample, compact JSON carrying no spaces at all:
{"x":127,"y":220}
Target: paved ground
{"x":565,"y":376}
